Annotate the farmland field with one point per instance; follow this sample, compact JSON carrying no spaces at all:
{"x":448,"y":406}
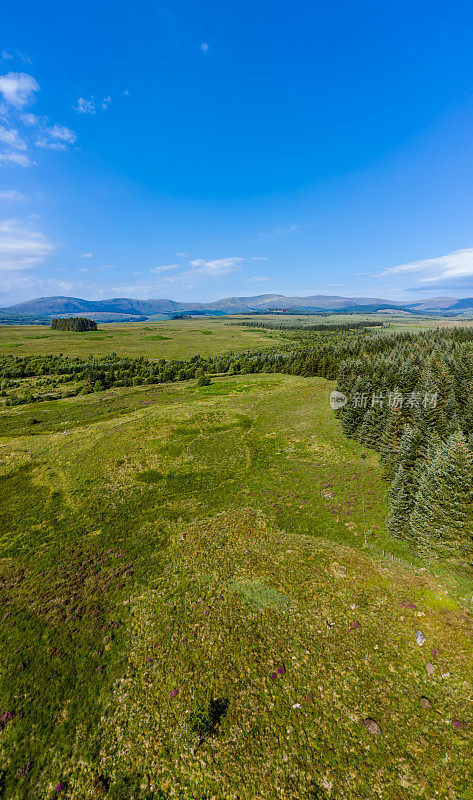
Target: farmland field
{"x":195,"y":605}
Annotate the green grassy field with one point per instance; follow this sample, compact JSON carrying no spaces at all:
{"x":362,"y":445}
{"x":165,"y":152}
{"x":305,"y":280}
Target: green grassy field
{"x":193,"y":606}
{"x":172,"y":339}
{"x":183,"y":338}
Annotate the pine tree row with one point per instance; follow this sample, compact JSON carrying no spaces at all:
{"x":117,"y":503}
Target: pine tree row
{"x":413,"y":403}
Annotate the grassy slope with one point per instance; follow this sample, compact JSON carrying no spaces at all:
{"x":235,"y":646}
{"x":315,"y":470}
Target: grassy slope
{"x":187,"y":604}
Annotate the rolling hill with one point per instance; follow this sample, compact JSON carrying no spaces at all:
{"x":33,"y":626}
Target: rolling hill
{"x":54,"y":306}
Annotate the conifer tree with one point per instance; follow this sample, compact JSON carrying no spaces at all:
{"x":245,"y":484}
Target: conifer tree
{"x":371,"y":429}
{"x":400,"y":505}
{"x":442,"y":518}
{"x":408,"y":447}
{"x":391,"y":438}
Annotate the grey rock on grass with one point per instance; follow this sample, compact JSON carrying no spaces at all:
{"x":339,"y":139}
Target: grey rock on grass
{"x":420,"y":638}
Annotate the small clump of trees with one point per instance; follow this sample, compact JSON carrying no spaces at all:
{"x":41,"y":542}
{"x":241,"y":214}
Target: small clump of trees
{"x":79,"y":324}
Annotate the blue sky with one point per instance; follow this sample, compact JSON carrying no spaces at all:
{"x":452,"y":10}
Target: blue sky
{"x":199,"y":150}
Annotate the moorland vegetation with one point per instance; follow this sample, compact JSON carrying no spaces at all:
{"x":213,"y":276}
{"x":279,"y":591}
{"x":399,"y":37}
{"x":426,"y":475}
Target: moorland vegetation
{"x":203,"y":592}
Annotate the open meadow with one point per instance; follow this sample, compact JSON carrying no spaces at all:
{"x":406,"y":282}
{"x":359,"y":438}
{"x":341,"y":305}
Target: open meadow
{"x":171,"y":339}
{"x":182,"y":338}
{"x":196,"y":603}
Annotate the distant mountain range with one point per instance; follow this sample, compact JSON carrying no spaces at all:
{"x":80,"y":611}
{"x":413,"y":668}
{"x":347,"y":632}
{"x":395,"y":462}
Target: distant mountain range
{"x":120,"y":308}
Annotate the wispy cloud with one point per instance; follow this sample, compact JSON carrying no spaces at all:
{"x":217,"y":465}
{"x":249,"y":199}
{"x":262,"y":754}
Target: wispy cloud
{"x":204,"y":47}
{"x":142,"y":289}
{"x":86,"y":255}
{"x":8,"y":56}
{"x":218,"y":266}
{"x":85,"y":106}
{"x":15,"y":159}
{"x":14,"y":152}
{"x":22,"y":248}
{"x":57,"y":137}
{"x":257,"y":279}
{"x":15,"y":286}
{"x":30,"y":120}
{"x":283,"y":230}
{"x":453,"y":266}
{"x":164,"y":268}
{"x":11,"y":196}
{"x":18,"y":89}
{"x":90,"y":105}
{"x":11,"y":138}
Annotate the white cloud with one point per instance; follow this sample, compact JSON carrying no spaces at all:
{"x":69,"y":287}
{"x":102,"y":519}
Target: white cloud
{"x":14,"y":155}
{"x":24,"y":57}
{"x":30,"y":120}
{"x":11,"y":196}
{"x":21,"y":286}
{"x":455,"y":265}
{"x":54,"y":137}
{"x":18,"y":88}
{"x":183,"y":254}
{"x":57,"y":137}
{"x":85,"y":106}
{"x":280,"y":231}
{"x":91,"y":105}
{"x":14,"y":159}
{"x":204,"y":47}
{"x":164,"y":268}
{"x":219,"y":266}
{"x":63,"y":134}
{"x":47,"y":144}
{"x":6,"y":56}
{"x":21,"y":248}
{"x":86,"y":255}
{"x":257,"y":279}
{"x":11,"y":138}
